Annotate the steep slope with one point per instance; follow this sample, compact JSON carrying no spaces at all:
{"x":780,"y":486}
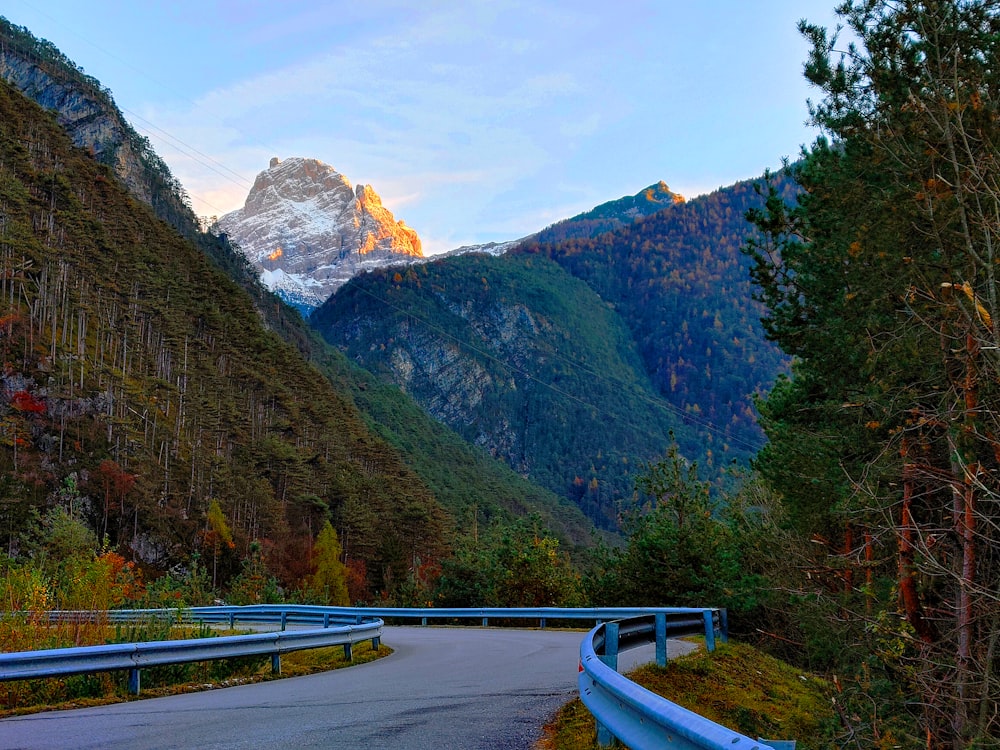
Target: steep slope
{"x":682,"y":287}
{"x":308,"y":231}
{"x":517,"y":357}
{"x":474,"y":487}
{"x":85,"y":109}
{"x":87,"y":112}
{"x":139,"y":385}
{"x":464,"y":480}
{"x":612,"y":215}
{"x":575,"y":381}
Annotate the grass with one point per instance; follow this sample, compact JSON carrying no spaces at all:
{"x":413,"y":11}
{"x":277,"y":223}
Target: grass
{"x":31,"y":696}
{"x":736,"y":686}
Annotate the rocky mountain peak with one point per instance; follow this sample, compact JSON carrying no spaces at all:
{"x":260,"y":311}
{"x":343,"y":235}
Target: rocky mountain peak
{"x":308,"y":231}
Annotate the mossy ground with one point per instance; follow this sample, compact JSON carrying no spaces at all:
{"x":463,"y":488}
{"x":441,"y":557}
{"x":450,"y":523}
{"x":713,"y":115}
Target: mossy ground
{"x":736,"y":686}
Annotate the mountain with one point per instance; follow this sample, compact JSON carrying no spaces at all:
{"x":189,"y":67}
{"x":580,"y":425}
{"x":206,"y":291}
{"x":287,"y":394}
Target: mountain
{"x":148,"y":373}
{"x":517,"y":357}
{"x":682,"y":287}
{"x":612,"y":215}
{"x":577,"y":360}
{"x":140,"y":383}
{"x":308,"y":231}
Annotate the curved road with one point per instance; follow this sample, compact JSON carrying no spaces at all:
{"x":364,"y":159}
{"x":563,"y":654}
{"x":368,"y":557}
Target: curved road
{"x":449,"y":688}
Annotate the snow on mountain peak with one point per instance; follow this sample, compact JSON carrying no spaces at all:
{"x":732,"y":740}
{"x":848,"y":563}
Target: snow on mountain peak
{"x":308,"y":231}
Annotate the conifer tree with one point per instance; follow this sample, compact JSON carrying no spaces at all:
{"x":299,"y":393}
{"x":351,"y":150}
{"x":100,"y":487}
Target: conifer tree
{"x":882,"y":282}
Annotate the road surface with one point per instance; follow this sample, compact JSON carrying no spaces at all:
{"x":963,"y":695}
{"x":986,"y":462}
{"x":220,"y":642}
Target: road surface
{"x":442,"y":688}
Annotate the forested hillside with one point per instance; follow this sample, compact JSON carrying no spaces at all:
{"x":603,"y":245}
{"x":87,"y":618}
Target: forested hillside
{"x":140,"y":385}
{"x":678,"y":281}
{"x":575,"y":360}
{"x":290,"y":491}
{"x":520,"y":358}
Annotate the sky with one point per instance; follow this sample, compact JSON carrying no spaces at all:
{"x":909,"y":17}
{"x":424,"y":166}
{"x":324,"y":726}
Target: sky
{"x":475,"y":120}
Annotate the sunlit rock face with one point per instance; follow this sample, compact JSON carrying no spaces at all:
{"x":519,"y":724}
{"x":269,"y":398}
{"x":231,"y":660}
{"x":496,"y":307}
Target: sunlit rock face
{"x":308,"y":231}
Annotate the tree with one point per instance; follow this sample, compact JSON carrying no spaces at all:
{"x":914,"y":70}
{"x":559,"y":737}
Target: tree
{"x":255,"y":584}
{"x":510,"y":565}
{"x":678,"y":552}
{"x":218,"y":535}
{"x":882,"y":282}
{"x":328,"y":583}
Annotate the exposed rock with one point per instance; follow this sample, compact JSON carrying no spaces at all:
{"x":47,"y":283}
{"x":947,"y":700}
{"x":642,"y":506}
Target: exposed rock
{"x":308,"y":231}
{"x":86,"y":111}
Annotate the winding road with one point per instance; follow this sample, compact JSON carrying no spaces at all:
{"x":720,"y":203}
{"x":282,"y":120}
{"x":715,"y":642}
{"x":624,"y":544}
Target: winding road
{"x":442,"y":688}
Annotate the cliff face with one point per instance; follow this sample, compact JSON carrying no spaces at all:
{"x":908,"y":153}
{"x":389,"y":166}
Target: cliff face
{"x":520,"y":359}
{"x":308,"y":231}
{"x":86,"y":111}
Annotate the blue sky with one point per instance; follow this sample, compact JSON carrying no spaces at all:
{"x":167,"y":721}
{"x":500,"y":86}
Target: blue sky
{"x":475,"y":121}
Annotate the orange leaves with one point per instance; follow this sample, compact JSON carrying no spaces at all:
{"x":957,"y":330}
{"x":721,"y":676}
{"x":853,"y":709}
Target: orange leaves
{"x":123,"y":579}
{"x":24,"y":402}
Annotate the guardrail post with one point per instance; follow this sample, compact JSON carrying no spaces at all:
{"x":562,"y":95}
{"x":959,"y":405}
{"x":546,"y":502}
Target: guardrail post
{"x":724,"y":626}
{"x":326,"y":619}
{"x":423,"y":621}
{"x":610,"y":655}
{"x":486,"y":621}
{"x":604,"y":736}
{"x":133,"y":681}
{"x":284,"y":619}
{"x":232,"y":620}
{"x":709,"y":630}
{"x":541,"y":624}
{"x":348,"y":652}
{"x":376,"y":641}
{"x":661,"y":638}
{"x":275,"y":663}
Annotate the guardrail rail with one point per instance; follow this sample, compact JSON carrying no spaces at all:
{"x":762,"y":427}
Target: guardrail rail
{"x":637,"y":717}
{"x":58,"y":662}
{"x":623,"y":709}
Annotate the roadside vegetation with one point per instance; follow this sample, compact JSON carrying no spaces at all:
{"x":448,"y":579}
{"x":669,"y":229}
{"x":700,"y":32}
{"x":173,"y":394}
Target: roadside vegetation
{"x":737,"y":686}
{"x":31,"y":696}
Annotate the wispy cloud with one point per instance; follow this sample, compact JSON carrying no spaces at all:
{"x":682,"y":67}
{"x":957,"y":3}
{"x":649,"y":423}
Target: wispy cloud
{"x":476,"y":119}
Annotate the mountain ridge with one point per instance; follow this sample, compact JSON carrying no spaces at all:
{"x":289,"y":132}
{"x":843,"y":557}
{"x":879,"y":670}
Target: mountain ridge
{"x":392,"y":478}
{"x":677,"y":288}
{"x":307,"y":230}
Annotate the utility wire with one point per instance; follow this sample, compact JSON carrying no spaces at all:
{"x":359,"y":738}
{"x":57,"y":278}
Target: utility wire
{"x":239,"y":180}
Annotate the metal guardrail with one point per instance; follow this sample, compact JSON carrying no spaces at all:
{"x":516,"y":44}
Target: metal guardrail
{"x":712,"y":620}
{"x":636,"y":716}
{"x":133,"y":657}
{"x":639,"y":718}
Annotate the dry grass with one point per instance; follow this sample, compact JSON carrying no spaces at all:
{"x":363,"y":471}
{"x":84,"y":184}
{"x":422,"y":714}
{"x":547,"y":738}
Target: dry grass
{"x":737,"y":687}
{"x":31,"y":696}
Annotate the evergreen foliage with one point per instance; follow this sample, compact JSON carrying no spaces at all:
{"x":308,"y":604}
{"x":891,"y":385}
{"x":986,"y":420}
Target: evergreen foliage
{"x":680,"y":551}
{"x":516,"y":356}
{"x":509,"y":565}
{"x":135,"y":366}
{"x":882,"y":281}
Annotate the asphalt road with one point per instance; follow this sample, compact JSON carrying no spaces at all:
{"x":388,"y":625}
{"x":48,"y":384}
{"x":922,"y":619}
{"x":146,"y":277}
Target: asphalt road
{"x":442,"y":688}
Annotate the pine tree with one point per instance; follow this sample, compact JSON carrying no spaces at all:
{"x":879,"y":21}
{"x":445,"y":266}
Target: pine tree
{"x":882,"y":282}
